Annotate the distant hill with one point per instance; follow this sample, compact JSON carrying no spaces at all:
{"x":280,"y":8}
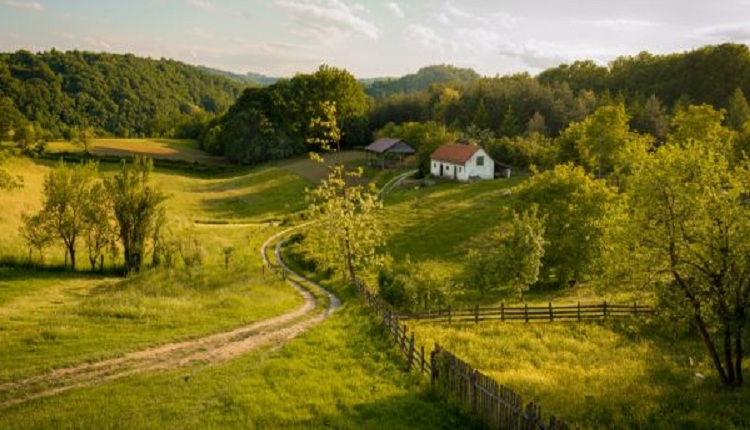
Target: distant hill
{"x":119,"y":95}
{"x":249,"y":78}
{"x":420,"y":81}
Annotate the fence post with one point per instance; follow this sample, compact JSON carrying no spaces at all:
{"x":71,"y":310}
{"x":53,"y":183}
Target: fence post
{"x":449,"y":314}
{"x":551,"y":314}
{"x":411,"y":353}
{"x":502,"y":311}
{"x":605,"y":308}
{"x":476,"y":314}
{"x":579,"y":311}
{"x":473,"y":388}
{"x":526,"y":311}
{"x":433,"y":364}
{"x":421,"y":359}
{"x":635,"y":309}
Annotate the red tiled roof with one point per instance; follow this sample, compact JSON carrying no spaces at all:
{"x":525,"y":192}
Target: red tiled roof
{"x":454,"y":153}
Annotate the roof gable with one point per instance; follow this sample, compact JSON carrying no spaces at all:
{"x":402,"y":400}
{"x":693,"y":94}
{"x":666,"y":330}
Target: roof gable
{"x":455,"y":153}
{"x":382,"y":145}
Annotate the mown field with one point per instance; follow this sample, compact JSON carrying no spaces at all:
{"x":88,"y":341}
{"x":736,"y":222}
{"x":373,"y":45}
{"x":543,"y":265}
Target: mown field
{"x":341,"y":374}
{"x":168,"y":149}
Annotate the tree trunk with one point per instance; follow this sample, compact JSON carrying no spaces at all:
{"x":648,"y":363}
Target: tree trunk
{"x":738,"y":355}
{"x":72,"y":252}
{"x":711,"y":349}
{"x":728,"y":355}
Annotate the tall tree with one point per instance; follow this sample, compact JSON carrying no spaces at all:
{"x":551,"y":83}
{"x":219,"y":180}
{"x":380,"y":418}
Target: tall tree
{"x":350,"y":234}
{"x":738,"y":110}
{"x":690,"y":208}
{"x":67,"y":194}
{"x":135,"y":201}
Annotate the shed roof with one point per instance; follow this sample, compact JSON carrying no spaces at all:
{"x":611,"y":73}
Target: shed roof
{"x":455,"y":153}
{"x":385,"y":144}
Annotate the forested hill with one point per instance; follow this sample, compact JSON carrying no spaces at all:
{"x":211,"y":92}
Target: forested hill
{"x":706,"y":75}
{"x":249,"y":78}
{"x":422,"y":80}
{"x":121,"y":95}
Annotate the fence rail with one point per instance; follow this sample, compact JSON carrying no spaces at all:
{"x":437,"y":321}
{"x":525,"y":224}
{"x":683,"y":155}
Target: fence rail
{"x":528,"y":313}
{"x":497,"y":406}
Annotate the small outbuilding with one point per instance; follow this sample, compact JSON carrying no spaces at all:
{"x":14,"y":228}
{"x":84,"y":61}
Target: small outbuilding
{"x":388,"y":148}
{"x":462,"y":163}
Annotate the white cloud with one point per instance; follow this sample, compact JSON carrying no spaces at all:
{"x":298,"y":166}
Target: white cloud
{"x":622,"y":24}
{"x":426,"y":36}
{"x":443,"y":18}
{"x":396,"y":9}
{"x":326,"y":19}
{"x":457,"y":12}
{"x":201,"y":4}
{"x":98,"y":44}
{"x":17,"y":4}
{"x":724,"y":33}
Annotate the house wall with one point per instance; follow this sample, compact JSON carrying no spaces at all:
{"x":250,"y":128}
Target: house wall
{"x":474,"y":170}
{"x":448,"y":169}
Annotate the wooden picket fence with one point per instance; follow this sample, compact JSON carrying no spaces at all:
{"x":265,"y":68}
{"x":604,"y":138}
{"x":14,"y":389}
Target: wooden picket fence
{"x":498,"y":407}
{"x":526,"y":313}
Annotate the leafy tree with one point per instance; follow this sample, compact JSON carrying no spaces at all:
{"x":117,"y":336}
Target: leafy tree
{"x":536,"y":125}
{"x":424,"y":137}
{"x":574,"y":207}
{"x":99,"y":231}
{"x":324,"y":129}
{"x":36,"y":232}
{"x":510,"y":125}
{"x":689,"y":204}
{"x":738,"y":110}
{"x":414,"y":286}
{"x":508,"y":256}
{"x":702,"y":124}
{"x":349,"y":236}
{"x":11,"y":119}
{"x":67,"y":195}
{"x":605,"y":143}
{"x":136,"y":206}
{"x":8,"y":180}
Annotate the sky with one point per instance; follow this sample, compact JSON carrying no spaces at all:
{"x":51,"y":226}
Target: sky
{"x":373,"y":38}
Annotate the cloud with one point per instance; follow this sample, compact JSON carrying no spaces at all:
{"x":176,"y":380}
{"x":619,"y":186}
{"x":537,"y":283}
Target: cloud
{"x":98,"y":44}
{"x":622,"y":24}
{"x":327,"y":19}
{"x":739,"y":32}
{"x":201,"y":4}
{"x":396,"y":9}
{"x":426,"y":36}
{"x":33,"y":6}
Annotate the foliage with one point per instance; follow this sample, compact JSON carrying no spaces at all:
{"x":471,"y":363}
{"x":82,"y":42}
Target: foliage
{"x":120,"y":95}
{"x":8,"y":180}
{"x":509,"y":255}
{"x":604,"y":143}
{"x":350,"y":235}
{"x":575,"y":208}
{"x":69,"y":197}
{"x":422,"y":80}
{"x":424,"y":137}
{"x":413,"y":286}
{"x":99,"y":231}
{"x":276,"y":121}
{"x":135,"y":202}
{"x":702,"y":124}
{"x":689,"y":203}
{"x":738,"y":110}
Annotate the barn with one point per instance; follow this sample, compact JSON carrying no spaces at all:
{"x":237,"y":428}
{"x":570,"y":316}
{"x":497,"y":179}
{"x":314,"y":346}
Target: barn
{"x":462,"y":163}
{"x":387,"y":148}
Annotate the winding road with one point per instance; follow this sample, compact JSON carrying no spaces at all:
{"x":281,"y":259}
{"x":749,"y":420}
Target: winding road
{"x":211,"y":349}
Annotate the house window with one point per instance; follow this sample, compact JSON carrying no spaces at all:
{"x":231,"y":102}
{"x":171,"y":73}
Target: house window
{"x":480,"y":160}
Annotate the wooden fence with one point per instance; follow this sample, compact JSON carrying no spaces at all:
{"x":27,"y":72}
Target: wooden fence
{"x":498,"y":407}
{"x":528,"y":313}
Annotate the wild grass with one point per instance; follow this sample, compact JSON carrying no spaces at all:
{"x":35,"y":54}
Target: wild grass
{"x":50,"y":320}
{"x":341,"y":374}
{"x":171,"y":149}
{"x":610,"y":374}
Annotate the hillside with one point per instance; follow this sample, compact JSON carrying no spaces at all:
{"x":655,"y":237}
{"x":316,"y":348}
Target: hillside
{"x":120,"y":95}
{"x":249,"y":78}
{"x":420,"y":81}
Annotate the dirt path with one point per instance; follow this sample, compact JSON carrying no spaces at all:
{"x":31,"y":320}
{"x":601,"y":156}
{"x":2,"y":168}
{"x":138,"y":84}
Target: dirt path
{"x":207,"y":350}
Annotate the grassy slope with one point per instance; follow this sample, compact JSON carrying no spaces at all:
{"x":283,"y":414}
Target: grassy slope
{"x":608,"y":375}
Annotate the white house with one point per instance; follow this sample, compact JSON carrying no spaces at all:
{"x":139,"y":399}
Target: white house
{"x":462,"y":163}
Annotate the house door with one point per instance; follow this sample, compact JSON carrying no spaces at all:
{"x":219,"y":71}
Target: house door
{"x":441,"y":169}
{"x":455,"y":172}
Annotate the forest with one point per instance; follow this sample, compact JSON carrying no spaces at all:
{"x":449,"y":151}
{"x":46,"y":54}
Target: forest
{"x":54,"y":94}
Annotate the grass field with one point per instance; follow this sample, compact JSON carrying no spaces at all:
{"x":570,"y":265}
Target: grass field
{"x":614,"y":374}
{"x":168,"y":149}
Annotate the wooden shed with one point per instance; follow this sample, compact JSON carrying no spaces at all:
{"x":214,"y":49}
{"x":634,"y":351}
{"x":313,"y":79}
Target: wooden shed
{"x":388,"y":148}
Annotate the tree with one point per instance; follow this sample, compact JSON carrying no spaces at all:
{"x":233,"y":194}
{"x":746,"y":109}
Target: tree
{"x":36,"y":233}
{"x":424,"y":137}
{"x":574,"y":207}
{"x":8,"y":180}
{"x":738,"y":111}
{"x":136,"y":203}
{"x":510,"y":255}
{"x":324,"y":129}
{"x":689,"y":204}
{"x":605,"y":143}
{"x":99,"y":232}
{"x":702,"y":124}
{"x":67,"y":195}
{"x":349,"y":235}
{"x":536,"y":125}
{"x":510,"y":125}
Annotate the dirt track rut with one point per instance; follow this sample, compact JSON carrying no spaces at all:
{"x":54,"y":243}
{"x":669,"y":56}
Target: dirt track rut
{"x":215,"y":348}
